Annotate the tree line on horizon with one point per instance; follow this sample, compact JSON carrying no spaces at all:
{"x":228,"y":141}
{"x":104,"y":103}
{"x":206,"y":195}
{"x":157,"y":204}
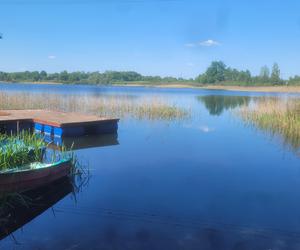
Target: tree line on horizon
{"x":216,"y":73}
{"x":219,"y":73}
{"x":81,"y":77}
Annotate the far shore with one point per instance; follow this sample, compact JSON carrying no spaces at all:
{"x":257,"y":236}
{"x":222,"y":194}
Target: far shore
{"x":276,"y":89}
{"x":38,"y":83}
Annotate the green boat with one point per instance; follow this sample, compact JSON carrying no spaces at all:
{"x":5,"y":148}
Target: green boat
{"x":23,"y":164}
{"x":33,"y":175}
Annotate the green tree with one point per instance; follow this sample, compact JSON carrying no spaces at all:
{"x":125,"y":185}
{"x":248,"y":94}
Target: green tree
{"x":43,"y":75}
{"x":244,"y":76}
{"x":35,"y":76}
{"x":214,"y":73}
{"x":294,"y":80}
{"x":264,"y":74}
{"x":64,"y":76}
{"x":275,"y":75}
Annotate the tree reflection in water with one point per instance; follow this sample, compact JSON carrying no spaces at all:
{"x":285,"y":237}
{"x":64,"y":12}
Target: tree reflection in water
{"x":217,"y":104}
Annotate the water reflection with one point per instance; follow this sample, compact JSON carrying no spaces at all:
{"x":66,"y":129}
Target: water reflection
{"x":171,"y":187}
{"x":217,"y":104}
{"x":208,"y":238}
{"x":16,"y":210}
{"x":83,"y":142}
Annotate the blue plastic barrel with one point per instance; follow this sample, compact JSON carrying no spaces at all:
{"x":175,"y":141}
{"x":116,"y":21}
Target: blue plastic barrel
{"x":58,"y":132}
{"x":48,"y":130}
{"x":38,"y":128}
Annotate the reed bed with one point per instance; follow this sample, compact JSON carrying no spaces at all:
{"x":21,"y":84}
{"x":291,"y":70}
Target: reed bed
{"x":277,"y":116}
{"x":150,"y":108}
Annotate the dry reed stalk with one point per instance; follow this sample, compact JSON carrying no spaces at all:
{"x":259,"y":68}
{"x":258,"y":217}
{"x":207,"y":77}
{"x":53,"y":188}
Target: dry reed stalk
{"x":276,"y":115}
{"x":112,"y":106}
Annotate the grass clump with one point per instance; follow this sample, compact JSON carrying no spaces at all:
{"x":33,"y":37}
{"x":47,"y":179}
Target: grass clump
{"x":276,"y":115}
{"x":144,"y":108}
{"x":19,"y":150}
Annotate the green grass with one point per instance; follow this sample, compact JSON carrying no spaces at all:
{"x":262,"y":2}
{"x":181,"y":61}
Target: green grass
{"x":19,"y":150}
{"x":276,"y":116}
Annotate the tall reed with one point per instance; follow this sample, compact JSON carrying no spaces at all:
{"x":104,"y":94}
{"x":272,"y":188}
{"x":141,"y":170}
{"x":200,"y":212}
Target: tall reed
{"x":278,"y":116}
{"x":149,"y":108}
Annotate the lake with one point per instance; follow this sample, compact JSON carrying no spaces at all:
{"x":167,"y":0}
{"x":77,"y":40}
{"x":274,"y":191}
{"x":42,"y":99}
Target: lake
{"x":208,"y":181}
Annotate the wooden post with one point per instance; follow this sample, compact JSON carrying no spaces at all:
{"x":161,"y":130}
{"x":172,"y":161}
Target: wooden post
{"x":18,"y":127}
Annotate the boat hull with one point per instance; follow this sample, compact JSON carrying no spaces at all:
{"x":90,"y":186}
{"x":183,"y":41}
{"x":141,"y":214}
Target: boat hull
{"x":30,"y":179}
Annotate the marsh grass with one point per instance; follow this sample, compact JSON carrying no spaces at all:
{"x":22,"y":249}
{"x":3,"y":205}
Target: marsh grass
{"x":277,"y":116}
{"x":21,"y":149}
{"x":121,"y":106}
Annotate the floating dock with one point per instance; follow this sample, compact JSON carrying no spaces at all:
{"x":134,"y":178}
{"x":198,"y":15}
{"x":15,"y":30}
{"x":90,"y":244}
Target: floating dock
{"x":56,"y":123}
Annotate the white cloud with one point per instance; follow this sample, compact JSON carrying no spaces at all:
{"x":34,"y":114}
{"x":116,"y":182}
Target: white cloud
{"x":209,"y":43}
{"x":51,"y":57}
{"x":206,"y":129}
{"x":206,"y":43}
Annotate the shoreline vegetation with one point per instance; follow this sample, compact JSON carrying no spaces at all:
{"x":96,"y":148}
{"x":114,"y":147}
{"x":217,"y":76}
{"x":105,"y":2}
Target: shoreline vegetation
{"x":146,"y":108}
{"x":277,"y":116}
{"x":216,"y":76}
{"x":188,"y":85}
{"x":277,"y":89}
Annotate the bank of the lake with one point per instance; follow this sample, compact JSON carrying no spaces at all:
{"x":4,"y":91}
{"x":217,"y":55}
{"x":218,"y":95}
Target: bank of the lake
{"x":187,"y":85}
{"x":265,"y":89}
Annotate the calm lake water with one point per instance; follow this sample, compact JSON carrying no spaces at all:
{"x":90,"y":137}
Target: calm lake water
{"x":207,"y":182}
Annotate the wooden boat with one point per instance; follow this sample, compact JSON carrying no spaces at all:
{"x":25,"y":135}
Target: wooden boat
{"x":33,"y":175}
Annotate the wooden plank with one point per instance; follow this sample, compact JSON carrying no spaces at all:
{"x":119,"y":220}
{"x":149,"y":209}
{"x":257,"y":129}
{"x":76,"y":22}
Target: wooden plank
{"x":67,"y":121}
{"x":52,"y":118}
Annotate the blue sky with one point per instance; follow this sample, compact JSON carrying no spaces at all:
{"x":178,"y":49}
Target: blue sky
{"x":154,"y":37}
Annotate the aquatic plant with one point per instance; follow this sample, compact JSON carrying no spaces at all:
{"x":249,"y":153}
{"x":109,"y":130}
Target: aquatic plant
{"x":18,"y":150}
{"x":277,"y":116}
{"x":121,"y":106}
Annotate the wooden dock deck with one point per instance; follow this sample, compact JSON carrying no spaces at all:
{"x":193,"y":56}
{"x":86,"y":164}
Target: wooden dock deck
{"x":56,"y":123}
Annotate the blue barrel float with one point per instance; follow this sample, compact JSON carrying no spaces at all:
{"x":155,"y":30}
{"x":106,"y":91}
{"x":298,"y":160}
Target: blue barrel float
{"x":38,"y":128}
{"x":48,"y":130}
{"x":57,"y":132}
